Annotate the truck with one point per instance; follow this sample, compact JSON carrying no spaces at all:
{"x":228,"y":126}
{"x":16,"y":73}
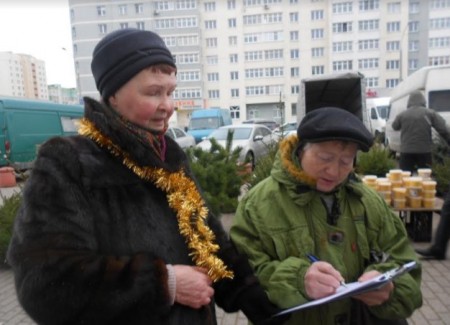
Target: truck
{"x":204,"y":121}
{"x":377,"y":109}
{"x":434,"y":83}
{"x":343,"y":90}
{"x":26,"y":124}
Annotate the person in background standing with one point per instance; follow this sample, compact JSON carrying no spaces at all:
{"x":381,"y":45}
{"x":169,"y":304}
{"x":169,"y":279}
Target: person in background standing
{"x":113,"y":228}
{"x":415,"y":125}
{"x":438,"y":250}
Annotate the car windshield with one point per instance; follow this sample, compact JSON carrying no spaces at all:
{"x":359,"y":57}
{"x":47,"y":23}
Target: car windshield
{"x":204,"y":123}
{"x":383,"y":111}
{"x":238,"y":133}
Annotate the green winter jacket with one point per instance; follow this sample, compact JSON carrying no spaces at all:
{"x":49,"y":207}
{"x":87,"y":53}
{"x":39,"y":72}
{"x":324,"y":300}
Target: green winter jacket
{"x":283,"y":218}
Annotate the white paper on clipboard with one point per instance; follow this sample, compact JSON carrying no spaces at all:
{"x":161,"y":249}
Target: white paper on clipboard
{"x":355,"y":288}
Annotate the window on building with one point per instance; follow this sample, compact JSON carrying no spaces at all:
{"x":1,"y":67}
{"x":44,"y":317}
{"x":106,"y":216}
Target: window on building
{"x":232,"y":23}
{"x":345,"y":46}
{"x":253,"y":56}
{"x":234,"y":92}
{"x":210,"y":24}
{"x":293,"y":17}
{"x":295,"y":89}
{"x":139,"y":8}
{"x":344,"y":27}
{"x":233,"y":58}
{"x":368,"y":5}
{"x":213,"y":76}
{"x":317,"y":52}
{"x":317,"y":33}
{"x":369,"y":44}
{"x":413,"y":64}
{"x":295,"y":72}
{"x":275,"y":54}
{"x":414,"y":7}
{"x":439,"y":42}
{"x":211,"y":42}
{"x":413,"y":46}
{"x":212,"y":60}
{"x":185,"y":4}
{"x":232,"y":40}
{"x":102,"y":28}
{"x":140,"y":25}
{"x":122,"y":10}
{"x":371,"y":82}
{"x":369,"y":63}
{"x":210,"y":6}
{"x":317,"y":70}
{"x":369,"y":25}
{"x":234,"y":75}
{"x":231,"y":4}
{"x":123,"y":25}
{"x":392,"y":83}
{"x":295,"y":53}
{"x":394,"y":7}
{"x":393,"y":26}
{"x":214,"y":93}
{"x":317,"y":15}
{"x":392,"y":64}
{"x":344,"y":65}
{"x":342,"y":8}
{"x":413,"y":26}
{"x":392,"y":46}
{"x":234,"y":110}
{"x":293,"y":35}
{"x":101,"y":11}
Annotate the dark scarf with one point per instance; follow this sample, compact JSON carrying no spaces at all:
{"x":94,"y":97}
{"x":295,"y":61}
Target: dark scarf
{"x":144,"y":135}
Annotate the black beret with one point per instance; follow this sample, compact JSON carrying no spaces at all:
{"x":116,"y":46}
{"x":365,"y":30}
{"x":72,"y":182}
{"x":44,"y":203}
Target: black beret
{"x":333,"y":123}
{"x":120,"y":55}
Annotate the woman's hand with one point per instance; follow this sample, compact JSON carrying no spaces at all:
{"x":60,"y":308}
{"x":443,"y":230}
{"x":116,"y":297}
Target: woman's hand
{"x":375,"y":297}
{"x":193,"y":286}
{"x":322,"y":280}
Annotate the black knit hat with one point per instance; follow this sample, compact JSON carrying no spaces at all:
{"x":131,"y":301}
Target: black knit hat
{"x":333,"y":123}
{"x":120,"y":55}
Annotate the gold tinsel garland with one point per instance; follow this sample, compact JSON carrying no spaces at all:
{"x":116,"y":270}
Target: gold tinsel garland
{"x":182,"y":196}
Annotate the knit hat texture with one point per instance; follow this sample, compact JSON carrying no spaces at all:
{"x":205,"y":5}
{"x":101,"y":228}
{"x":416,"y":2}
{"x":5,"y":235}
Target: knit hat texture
{"x":333,"y":123}
{"x":120,"y":55}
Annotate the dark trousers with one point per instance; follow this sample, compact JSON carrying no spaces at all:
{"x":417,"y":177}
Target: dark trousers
{"x":443,"y":229}
{"x":412,"y":161}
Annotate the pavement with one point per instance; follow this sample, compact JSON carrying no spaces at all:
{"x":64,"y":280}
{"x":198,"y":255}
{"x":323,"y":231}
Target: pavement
{"x":435,"y":290}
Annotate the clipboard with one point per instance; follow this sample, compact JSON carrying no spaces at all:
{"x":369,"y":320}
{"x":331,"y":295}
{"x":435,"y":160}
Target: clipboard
{"x":355,"y":288}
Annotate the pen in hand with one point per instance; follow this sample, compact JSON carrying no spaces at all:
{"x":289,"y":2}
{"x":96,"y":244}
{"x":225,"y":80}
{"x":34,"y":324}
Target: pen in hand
{"x":313,"y":259}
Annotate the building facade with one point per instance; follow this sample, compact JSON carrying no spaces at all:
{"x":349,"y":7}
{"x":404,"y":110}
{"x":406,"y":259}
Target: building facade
{"x":251,"y":55}
{"x":22,"y":76}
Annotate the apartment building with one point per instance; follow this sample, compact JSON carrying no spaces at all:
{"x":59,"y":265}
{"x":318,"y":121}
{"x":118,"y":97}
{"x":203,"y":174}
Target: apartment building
{"x":22,"y":76}
{"x":250,"y":55}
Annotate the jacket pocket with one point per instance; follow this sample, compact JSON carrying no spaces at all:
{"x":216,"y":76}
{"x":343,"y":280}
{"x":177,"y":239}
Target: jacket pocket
{"x":294,"y":242}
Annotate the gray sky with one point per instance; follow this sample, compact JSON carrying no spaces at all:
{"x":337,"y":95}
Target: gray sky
{"x":41,"y":29}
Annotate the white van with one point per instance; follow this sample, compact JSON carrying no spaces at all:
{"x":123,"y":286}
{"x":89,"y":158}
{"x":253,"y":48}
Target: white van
{"x":377,"y":109}
{"x":434,"y":82}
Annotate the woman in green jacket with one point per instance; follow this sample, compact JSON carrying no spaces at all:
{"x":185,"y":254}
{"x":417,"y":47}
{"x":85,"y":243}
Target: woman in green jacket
{"x":314,"y":205}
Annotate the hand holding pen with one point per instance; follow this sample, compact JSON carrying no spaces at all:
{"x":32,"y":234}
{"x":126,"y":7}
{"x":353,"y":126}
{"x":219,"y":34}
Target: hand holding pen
{"x":321,"y":278}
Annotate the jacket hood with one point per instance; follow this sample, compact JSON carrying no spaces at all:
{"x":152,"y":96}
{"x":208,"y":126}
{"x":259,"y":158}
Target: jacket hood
{"x":416,"y":98}
{"x":286,"y":167}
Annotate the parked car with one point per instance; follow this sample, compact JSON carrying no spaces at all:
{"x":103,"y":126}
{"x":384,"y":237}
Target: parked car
{"x":183,"y":139}
{"x":271,"y":124}
{"x":286,"y":129}
{"x":254,"y":139}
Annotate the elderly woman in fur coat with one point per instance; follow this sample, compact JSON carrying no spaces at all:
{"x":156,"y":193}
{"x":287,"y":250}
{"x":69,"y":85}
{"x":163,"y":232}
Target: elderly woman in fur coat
{"x":113,"y":228}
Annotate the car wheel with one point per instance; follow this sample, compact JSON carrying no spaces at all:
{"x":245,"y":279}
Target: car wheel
{"x":250,"y":159}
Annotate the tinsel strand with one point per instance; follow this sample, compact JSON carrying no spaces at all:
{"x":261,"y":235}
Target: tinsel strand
{"x":183,"y":198}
